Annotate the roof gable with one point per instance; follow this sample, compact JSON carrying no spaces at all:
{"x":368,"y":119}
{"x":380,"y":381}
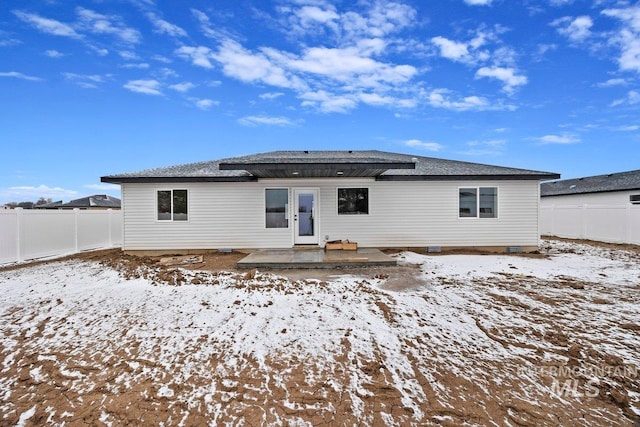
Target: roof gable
{"x":593,"y":184}
{"x":300,"y":164}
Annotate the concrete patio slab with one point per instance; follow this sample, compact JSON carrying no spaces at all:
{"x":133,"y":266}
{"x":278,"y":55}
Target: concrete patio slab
{"x":314,"y":258}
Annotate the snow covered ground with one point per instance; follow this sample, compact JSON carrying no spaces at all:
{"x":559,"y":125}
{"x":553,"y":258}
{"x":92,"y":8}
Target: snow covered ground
{"x":473,"y":340}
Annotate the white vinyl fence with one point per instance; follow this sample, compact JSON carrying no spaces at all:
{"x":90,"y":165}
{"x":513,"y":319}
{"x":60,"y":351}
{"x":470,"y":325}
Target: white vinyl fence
{"x":605,"y":223}
{"x":31,"y":234}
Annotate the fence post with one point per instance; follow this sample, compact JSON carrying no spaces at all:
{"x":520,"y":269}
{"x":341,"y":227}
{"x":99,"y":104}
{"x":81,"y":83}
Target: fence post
{"x":18,"y":234}
{"x":110,"y":241}
{"x":628,"y":224}
{"x":584,"y":225}
{"x":76,"y":213}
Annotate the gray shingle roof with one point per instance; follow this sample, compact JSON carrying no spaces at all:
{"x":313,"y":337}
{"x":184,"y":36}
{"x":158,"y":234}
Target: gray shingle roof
{"x":379,"y":164}
{"x":593,"y":184}
{"x":95,"y":201}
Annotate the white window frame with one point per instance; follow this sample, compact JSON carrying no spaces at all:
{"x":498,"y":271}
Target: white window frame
{"x":477,"y":188}
{"x":158,"y":190}
{"x":354,"y":214}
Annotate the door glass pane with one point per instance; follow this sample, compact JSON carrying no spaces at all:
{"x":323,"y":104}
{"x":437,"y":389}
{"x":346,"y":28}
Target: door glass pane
{"x":305,"y":214}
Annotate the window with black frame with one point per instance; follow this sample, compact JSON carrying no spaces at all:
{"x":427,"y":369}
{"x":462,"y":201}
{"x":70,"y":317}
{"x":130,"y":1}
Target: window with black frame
{"x":353,"y":201}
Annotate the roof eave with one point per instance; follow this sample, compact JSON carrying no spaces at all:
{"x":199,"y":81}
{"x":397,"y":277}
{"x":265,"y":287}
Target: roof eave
{"x":175,"y":179}
{"x":518,"y":177}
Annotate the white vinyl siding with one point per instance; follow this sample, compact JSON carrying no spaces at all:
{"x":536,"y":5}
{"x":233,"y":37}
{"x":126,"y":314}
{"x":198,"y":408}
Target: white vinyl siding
{"x":401,"y":214}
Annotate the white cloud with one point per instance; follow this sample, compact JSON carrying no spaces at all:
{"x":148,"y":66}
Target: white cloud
{"x":377,"y":19}
{"x":7,"y":40}
{"x":632,"y":98}
{"x":182,"y":87}
{"x":456,"y":51}
{"x":507,"y":76}
{"x":576,"y":29}
{"x":348,"y":64}
{"x":627,"y":38}
{"x":247,"y":66}
{"x":147,"y":87}
{"x":162,"y":59}
{"x":487,"y":143}
{"x":630,"y":55}
{"x":87,"y":81}
{"x":564,"y":138}
{"x":475,"y":49}
{"x":328,"y":102}
{"x":612,"y":82}
{"x":315,"y":14}
{"x":628,"y":128}
{"x":199,"y":56}
{"x":478,"y":2}
{"x":270,"y":95}
{"x":205,"y":24}
{"x":128,"y":55}
{"x":439,"y":98}
{"x":99,"y":51}
{"x":19,"y":75}
{"x":428,"y":146}
{"x":265,"y":120}
{"x":204,"y":104}
{"x":139,"y":65}
{"x":102,"y":24}
{"x":52,"y":53}
{"x":629,"y":15}
{"x":164,"y":27}
{"x":46,"y":25}
{"x":492,"y":147}
{"x":32,"y":193}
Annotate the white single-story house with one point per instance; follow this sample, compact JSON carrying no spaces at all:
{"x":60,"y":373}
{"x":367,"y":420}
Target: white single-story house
{"x":601,"y":207}
{"x":614,"y":189}
{"x":283,"y":199}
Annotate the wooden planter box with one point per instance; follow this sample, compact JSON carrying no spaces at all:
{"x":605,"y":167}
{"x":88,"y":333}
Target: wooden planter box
{"x":349,"y":246}
{"x":333,"y":246}
{"x":344,"y":245}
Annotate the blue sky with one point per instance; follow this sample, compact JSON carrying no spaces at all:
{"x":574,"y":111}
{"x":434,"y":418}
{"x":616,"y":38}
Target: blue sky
{"x":102,"y":87}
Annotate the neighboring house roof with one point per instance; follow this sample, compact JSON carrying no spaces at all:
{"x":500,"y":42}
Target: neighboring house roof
{"x":95,"y":201}
{"x":52,"y":205}
{"x":593,"y":184}
{"x":298,"y":164}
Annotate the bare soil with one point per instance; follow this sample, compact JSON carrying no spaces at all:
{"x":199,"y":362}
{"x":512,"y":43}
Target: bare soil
{"x":559,"y":333}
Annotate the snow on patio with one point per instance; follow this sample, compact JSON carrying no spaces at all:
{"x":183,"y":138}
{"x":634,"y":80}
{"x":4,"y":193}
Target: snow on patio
{"x":475,"y":340}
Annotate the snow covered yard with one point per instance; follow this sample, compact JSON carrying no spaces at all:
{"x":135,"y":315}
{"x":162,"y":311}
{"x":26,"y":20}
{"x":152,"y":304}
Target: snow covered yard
{"x":473,"y":340}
